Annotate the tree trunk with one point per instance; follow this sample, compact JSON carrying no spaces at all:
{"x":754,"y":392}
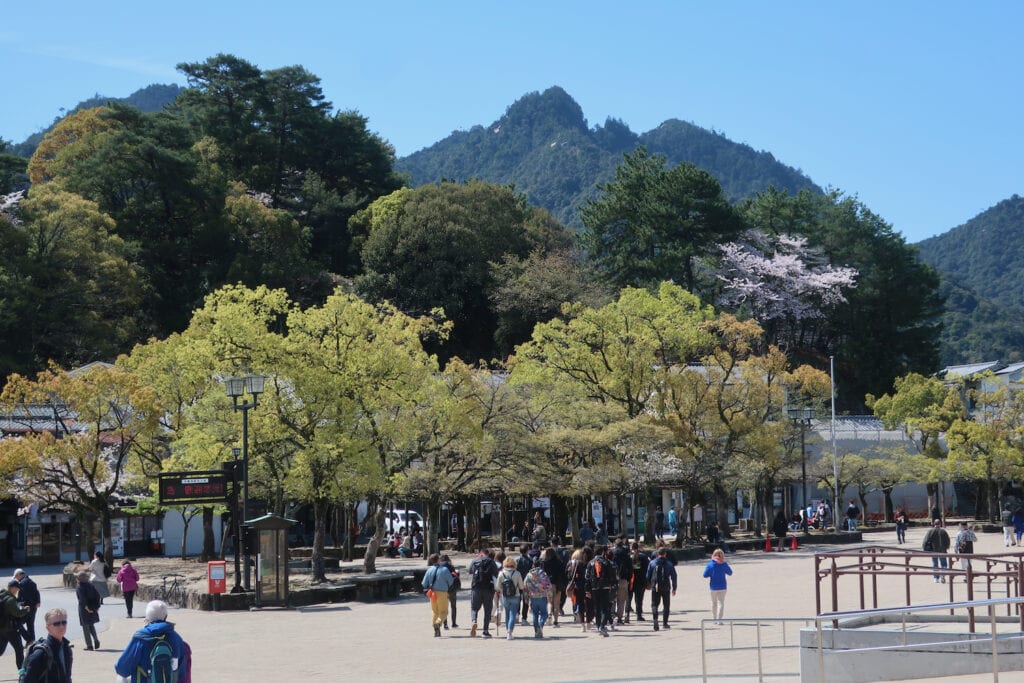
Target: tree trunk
{"x":316,"y":559}
{"x":460,"y":510}
{"x":186,"y":520}
{"x":433,"y":524}
{"x":652,"y":504}
{"x":574,"y":522}
{"x":209,"y":544}
{"x":375,"y":508}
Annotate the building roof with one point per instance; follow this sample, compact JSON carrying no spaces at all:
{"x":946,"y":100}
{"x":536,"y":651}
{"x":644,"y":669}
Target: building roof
{"x":952,"y":371}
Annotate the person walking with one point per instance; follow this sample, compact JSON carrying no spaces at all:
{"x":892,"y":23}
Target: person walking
{"x":673,"y":521}
{"x":1018,"y":524}
{"x":482,"y":572}
{"x":538,"y":590}
{"x":852,"y":513}
{"x":623,"y":570}
{"x":659,"y":523}
{"x":11,"y":615}
{"x":1006,"y":518}
{"x":576,"y":586}
{"x":141,"y":657}
{"x":453,"y":591}
{"x":661,"y":580}
{"x":28,"y":595}
{"x":639,"y":561}
{"x":964,"y":544}
{"x":937,"y":541}
{"x":509,"y":584}
{"x":100,"y":571}
{"x":128,"y":577}
{"x":88,"y":609}
{"x":524,"y":563}
{"x":554,"y":567}
{"x":436,"y":583}
{"x":49,"y":659}
{"x":901,"y":525}
{"x":716,"y":570}
{"x":601,"y":580}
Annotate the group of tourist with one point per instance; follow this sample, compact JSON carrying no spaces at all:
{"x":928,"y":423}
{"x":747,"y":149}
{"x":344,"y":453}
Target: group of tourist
{"x":49,"y":659}
{"x":604,"y":583}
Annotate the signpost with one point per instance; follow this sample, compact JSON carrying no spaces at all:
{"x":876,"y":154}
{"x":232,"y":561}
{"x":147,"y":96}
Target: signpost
{"x":193,"y":488}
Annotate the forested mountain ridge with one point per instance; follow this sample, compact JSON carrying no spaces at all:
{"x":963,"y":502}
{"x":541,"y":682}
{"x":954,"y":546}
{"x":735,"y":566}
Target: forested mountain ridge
{"x":149,"y":99}
{"x":543,"y":145}
{"x":982,"y":267}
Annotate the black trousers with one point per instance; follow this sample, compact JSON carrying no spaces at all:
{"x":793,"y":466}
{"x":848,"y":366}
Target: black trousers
{"x":27,"y":626}
{"x":12,"y":637}
{"x":481,"y":598}
{"x":602,"y":607}
{"x":638,"y":597}
{"x":660,"y":596}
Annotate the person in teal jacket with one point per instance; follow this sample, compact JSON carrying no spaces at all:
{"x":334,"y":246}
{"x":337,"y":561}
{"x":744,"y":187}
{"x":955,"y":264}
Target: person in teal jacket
{"x":716,"y":570}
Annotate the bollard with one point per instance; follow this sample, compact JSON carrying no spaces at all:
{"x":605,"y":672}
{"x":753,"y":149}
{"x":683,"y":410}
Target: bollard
{"x":793,"y":546}
{"x":767,"y":544}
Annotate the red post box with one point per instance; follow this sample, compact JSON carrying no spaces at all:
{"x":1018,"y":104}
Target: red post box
{"x":216,"y":576}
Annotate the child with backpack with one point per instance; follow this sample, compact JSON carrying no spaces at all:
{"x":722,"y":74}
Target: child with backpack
{"x":156,"y":653}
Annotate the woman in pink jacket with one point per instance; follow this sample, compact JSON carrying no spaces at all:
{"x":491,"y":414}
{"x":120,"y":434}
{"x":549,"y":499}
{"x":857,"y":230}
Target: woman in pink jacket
{"x":129,"y":580}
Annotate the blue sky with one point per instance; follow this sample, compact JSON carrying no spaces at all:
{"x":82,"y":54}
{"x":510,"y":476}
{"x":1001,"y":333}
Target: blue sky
{"x":915,"y":107}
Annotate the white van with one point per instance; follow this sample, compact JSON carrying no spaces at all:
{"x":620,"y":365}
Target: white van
{"x":396,"y":521}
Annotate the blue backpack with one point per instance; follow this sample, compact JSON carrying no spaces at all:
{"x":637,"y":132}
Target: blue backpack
{"x":161,"y":663}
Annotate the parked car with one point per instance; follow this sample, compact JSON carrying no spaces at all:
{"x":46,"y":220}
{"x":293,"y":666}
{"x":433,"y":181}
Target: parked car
{"x":396,"y":521}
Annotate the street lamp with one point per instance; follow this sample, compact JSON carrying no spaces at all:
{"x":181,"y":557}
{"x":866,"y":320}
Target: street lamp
{"x":236,"y":388}
{"x":803,"y":416}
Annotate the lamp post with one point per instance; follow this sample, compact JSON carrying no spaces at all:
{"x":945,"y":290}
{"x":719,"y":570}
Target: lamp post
{"x":238,"y":387}
{"x":236,"y":515}
{"x":802,"y":416}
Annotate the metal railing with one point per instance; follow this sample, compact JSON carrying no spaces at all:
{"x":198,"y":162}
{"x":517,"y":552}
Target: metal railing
{"x":741,"y":642}
{"x":970,"y":606}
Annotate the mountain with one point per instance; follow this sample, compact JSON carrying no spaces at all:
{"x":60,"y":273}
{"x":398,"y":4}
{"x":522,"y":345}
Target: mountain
{"x":544,"y":146}
{"x":981,"y":264}
{"x":151,"y":98}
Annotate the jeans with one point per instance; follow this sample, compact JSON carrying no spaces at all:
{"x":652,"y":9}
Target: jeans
{"x":451,"y":607}
{"x":638,"y":596}
{"x":540,"y":611}
{"x":660,"y":596}
{"x":27,"y":626}
{"x":938,"y":562}
{"x":511,"y":611}
{"x":481,"y":598}
{"x":851,"y":524}
{"x":13,"y":638}
{"x":129,"y":601}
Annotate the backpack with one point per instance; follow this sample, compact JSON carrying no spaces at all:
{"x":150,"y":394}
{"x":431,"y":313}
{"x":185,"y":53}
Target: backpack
{"x":660,"y":581}
{"x":107,"y":571}
{"x":508,"y":585}
{"x":40,"y":644}
{"x":480,"y":571}
{"x":161,"y":657}
{"x":524,"y":564}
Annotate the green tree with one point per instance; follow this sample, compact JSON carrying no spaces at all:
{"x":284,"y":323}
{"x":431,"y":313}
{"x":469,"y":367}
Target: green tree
{"x":924,"y":408}
{"x":432,"y":248}
{"x":100,"y":416}
{"x":651,"y":223}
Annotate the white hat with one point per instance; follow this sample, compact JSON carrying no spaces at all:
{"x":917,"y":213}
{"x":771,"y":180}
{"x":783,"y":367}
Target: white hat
{"x":156,"y":611}
{"x":19,"y":572}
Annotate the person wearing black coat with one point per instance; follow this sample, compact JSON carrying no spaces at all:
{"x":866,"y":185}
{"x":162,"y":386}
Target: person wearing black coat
{"x":50,"y":660}
{"x":88,"y":609}
{"x":29,"y":597}
{"x":554,"y":567}
{"x":779,"y":527}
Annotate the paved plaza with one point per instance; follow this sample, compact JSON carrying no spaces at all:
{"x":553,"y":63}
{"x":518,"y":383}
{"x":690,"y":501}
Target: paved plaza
{"x":394,"y":640}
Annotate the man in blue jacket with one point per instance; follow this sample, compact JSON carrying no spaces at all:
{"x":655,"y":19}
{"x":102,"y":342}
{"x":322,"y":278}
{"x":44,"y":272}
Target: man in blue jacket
{"x":138,"y":658}
{"x":661,"y":578}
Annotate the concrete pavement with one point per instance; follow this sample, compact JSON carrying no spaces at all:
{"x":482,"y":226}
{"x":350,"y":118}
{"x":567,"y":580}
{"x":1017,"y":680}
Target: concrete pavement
{"x":394,"y":640}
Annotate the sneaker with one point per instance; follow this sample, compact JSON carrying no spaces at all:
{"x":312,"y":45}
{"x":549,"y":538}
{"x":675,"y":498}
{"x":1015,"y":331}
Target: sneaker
{"x":509,"y":636}
{"x":942,"y":580}
{"x":666,"y":626}
{"x":640,"y":619}
{"x":604,"y":632}
{"x":523,"y":621}
{"x":472,"y":631}
{"x":655,"y":626}
{"x":446,"y":626}
{"x":454,"y":625}
{"x":97,"y":644}
{"x":487,"y":634}
{"x":437,"y":630}
{"x":540,"y":632}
